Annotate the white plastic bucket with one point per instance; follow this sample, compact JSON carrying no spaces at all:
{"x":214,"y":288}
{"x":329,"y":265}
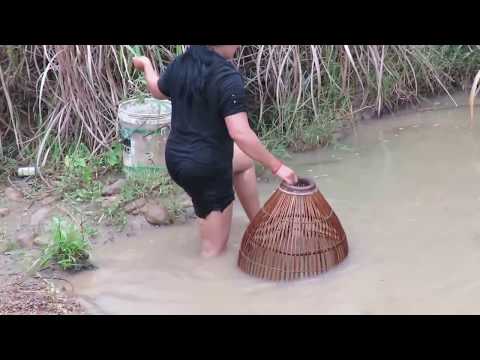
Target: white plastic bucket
{"x":144,"y":128}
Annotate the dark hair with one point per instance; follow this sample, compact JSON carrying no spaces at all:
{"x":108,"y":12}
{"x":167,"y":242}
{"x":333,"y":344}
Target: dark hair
{"x":195,"y":64}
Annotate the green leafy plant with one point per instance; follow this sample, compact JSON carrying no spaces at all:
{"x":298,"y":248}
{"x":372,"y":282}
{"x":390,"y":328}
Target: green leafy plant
{"x":115,"y":215}
{"x":174,"y":207}
{"x":77,"y":181}
{"x":112,"y":159}
{"x":69,"y":246}
{"x":147,"y":184}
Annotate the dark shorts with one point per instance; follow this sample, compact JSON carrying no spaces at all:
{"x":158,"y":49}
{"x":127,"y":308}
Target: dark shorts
{"x":209,"y":186}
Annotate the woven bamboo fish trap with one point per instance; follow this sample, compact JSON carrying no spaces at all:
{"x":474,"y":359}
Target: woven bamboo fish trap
{"x":295,"y":235}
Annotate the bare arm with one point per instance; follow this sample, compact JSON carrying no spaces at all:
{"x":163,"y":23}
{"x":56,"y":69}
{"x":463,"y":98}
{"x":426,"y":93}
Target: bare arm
{"x":240,"y":131}
{"x":142,"y":63}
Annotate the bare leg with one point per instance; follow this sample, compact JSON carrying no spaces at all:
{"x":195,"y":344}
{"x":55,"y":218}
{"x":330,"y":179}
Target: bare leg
{"x":245,"y":181}
{"x":214,"y":232}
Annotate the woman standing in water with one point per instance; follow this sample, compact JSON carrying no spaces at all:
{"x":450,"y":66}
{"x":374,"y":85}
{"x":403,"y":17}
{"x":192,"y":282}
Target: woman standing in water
{"x":211,"y":145}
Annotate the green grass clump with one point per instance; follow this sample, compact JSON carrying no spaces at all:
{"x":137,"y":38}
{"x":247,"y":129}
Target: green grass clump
{"x":79,"y":180}
{"x":147,"y":184}
{"x":69,"y":246}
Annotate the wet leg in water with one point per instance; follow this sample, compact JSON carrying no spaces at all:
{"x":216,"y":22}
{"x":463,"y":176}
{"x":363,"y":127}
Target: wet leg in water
{"x":245,"y":182}
{"x":214,"y":232}
{"x":215,"y":229}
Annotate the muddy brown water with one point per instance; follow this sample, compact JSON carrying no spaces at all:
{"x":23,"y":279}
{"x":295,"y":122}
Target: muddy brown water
{"x":407,"y":190}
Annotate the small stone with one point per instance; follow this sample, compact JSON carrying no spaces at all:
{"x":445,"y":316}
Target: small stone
{"x":114,"y":188}
{"x":13,"y":194}
{"x":48,"y":200}
{"x":25,"y":238}
{"x":109,"y":201}
{"x":184,"y":198}
{"x":190,"y":213}
{"x":187,"y":204}
{"x":41,"y":240}
{"x":40,"y":216}
{"x":135,"y":205}
{"x":4,"y":212}
{"x":156,"y":214}
{"x":181,"y":219}
{"x":136,"y":223}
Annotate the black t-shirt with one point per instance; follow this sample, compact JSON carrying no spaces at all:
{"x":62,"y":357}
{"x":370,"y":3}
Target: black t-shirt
{"x":198,"y":129}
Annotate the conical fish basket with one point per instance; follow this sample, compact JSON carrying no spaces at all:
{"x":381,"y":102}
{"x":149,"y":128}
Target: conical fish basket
{"x":295,"y":235}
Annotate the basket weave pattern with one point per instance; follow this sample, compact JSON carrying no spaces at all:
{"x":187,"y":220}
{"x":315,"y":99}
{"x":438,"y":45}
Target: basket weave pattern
{"x":295,"y":235}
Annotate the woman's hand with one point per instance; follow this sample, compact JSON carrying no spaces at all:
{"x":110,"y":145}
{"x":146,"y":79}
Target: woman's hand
{"x":141,"y":62}
{"x":287,"y":175}
{"x":240,"y":131}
